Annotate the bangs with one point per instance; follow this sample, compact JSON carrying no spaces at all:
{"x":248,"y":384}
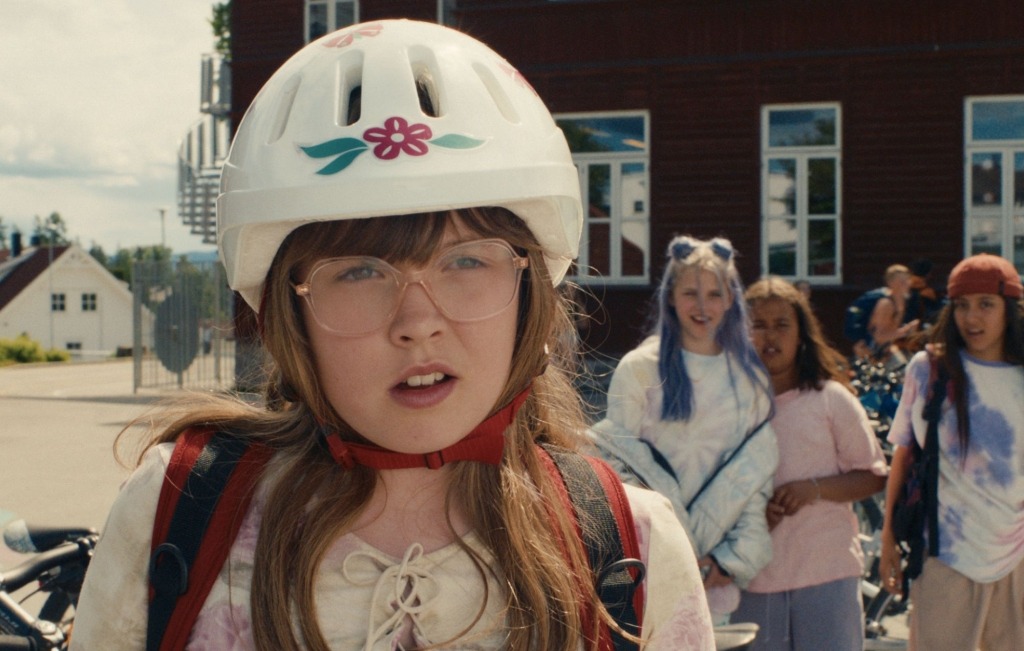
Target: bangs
{"x":403,"y":238}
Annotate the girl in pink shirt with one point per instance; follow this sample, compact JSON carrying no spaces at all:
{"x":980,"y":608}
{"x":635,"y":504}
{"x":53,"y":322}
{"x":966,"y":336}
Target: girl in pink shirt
{"x":808,"y":596}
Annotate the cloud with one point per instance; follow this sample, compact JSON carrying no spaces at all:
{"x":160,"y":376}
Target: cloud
{"x":96,"y":95}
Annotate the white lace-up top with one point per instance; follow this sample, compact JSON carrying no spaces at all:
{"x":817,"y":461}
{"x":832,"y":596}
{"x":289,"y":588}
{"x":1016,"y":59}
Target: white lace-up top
{"x":367,"y":599}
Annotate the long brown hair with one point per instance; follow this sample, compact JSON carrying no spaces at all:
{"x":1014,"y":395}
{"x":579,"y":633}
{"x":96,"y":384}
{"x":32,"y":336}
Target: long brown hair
{"x":816,"y":360}
{"x":515,"y":508}
{"x":946,"y":345}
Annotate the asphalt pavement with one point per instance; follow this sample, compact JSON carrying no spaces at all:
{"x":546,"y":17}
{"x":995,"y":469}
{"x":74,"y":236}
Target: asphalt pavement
{"x":58,"y":423}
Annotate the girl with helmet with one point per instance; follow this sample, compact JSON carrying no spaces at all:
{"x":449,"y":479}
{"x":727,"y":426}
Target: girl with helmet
{"x":688,"y":416}
{"x":398,"y":207}
{"x":971,"y":595}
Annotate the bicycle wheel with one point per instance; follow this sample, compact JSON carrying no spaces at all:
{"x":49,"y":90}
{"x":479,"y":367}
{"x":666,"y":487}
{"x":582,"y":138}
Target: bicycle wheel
{"x":885,"y":622}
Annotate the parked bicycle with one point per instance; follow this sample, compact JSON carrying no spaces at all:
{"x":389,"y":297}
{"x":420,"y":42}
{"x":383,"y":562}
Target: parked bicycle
{"x":879,"y":386}
{"x":58,"y":558}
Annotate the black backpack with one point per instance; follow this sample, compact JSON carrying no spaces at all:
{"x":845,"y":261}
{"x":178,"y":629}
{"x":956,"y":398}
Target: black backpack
{"x":858,"y":315}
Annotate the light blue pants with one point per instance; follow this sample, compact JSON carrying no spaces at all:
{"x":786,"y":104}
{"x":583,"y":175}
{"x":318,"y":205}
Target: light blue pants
{"x":827,"y":616}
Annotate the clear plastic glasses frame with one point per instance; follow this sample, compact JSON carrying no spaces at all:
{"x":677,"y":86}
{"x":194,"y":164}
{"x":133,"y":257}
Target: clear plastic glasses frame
{"x":469,"y":281}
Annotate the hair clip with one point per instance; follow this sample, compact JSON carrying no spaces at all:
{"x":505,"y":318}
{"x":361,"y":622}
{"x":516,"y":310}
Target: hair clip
{"x":722,"y":248}
{"x":681,"y":248}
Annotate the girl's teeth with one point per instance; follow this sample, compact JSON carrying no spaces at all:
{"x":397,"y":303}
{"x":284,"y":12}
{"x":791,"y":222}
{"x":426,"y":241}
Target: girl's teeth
{"x":425,"y":380}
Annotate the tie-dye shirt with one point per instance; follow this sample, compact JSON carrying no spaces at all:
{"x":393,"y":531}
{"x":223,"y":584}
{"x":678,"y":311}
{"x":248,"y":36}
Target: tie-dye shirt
{"x":981,"y":494}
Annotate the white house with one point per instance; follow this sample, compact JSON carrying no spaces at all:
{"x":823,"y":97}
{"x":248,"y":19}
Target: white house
{"x":63,"y":298}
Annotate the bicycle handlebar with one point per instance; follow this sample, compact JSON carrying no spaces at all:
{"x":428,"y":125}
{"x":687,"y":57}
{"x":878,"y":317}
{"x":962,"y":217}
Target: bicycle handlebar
{"x":15,"y":643}
{"x":26,"y":572}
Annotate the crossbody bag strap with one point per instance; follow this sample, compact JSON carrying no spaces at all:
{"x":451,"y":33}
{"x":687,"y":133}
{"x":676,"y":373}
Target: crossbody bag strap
{"x":721,"y":466}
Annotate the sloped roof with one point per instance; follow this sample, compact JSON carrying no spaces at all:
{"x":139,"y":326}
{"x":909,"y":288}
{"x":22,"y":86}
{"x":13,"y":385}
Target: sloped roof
{"x":17,"y":273}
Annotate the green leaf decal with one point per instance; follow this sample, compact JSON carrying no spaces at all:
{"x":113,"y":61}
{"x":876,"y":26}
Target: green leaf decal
{"x":456,"y":141}
{"x":334,"y":147}
{"x":341,"y":162}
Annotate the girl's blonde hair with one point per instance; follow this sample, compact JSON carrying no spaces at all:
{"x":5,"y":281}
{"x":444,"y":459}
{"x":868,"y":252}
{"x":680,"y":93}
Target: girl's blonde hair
{"x":816,"y":360}
{"x":514,"y":508}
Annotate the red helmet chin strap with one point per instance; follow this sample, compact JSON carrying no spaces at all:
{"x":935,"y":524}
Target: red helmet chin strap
{"x":484,"y":444}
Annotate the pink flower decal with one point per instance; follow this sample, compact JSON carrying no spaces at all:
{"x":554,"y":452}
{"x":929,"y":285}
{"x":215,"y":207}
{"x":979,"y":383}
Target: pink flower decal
{"x":397,"y":136}
{"x":345,"y":39}
{"x":516,"y":76}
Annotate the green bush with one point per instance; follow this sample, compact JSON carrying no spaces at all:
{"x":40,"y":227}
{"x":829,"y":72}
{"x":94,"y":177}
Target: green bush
{"x":22,"y":350}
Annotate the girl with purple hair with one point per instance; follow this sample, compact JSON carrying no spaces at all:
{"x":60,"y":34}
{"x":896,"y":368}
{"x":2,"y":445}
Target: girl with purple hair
{"x":688,"y":415}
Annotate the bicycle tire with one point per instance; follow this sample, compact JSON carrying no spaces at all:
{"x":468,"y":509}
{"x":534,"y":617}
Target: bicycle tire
{"x":878,"y":619}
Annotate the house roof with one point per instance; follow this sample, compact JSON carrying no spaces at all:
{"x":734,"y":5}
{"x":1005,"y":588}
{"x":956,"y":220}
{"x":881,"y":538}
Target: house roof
{"x":17,"y":273}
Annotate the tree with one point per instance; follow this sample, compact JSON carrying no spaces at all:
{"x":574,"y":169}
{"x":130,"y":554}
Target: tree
{"x":52,"y":230}
{"x":3,"y":235}
{"x":221,"y":24}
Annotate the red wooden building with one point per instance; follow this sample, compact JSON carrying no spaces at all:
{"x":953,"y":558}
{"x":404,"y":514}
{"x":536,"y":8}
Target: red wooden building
{"x":826,"y":138}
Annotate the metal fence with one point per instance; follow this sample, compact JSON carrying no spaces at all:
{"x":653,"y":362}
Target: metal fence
{"x":183,"y":326}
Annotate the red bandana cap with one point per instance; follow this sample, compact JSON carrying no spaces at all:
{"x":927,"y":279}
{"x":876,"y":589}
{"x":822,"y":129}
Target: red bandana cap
{"x":984,"y":274}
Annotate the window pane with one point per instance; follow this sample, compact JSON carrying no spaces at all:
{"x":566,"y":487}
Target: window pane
{"x":317,"y":20}
{"x":986,"y":179}
{"x":781,"y":187}
{"x":801,"y":127}
{"x":345,"y":14}
{"x":599,"y":191}
{"x":986,"y":235}
{"x":782,"y":235}
{"x":999,"y":120}
{"x":604,"y":134}
{"x":821,"y":258}
{"x":821,"y":186}
{"x":634,"y":218}
{"x":598,"y":254}
{"x":599,"y":212}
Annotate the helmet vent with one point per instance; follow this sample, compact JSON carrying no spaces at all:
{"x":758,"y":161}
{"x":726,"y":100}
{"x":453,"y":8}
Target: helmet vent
{"x":350,"y":89}
{"x":427,"y":94}
{"x":284,"y":110}
{"x":497,"y":93}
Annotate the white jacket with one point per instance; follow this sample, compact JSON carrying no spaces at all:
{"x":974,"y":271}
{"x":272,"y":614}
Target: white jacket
{"x":728,"y":519}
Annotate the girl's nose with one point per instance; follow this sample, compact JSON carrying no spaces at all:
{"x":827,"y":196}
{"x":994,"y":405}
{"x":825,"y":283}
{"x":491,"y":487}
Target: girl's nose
{"x":418,"y":317}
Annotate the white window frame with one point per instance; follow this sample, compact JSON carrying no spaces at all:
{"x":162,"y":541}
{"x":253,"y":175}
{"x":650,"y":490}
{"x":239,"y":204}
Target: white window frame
{"x":58,"y":302}
{"x":641,"y":223}
{"x":801,"y":155}
{"x":90,"y":300}
{"x":1008,"y":215}
{"x":332,"y":15}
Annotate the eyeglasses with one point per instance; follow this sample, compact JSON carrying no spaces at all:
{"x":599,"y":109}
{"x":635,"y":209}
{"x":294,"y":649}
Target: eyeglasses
{"x":467,"y":282}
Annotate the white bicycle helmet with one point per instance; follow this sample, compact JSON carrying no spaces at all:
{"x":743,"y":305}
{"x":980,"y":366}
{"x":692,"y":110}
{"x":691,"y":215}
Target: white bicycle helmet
{"x":338,"y":132}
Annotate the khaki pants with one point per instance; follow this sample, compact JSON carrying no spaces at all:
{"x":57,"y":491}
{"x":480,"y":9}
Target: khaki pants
{"x":953,"y":613}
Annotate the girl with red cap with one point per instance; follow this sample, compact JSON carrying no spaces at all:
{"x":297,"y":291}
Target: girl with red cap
{"x":971,"y":595}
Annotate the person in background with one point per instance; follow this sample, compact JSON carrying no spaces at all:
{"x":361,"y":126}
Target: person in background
{"x":888,"y":323}
{"x":808,"y":597}
{"x":688,"y":415}
{"x":970,"y":596}
{"x":403,"y":254}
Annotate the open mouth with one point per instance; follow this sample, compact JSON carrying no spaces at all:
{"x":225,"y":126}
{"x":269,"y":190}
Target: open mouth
{"x":420,"y":381}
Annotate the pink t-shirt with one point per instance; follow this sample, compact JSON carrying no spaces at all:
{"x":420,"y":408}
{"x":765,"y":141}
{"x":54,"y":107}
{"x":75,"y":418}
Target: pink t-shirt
{"x":820,"y":433}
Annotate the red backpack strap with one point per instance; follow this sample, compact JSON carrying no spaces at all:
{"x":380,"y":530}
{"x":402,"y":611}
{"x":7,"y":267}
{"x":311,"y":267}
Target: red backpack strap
{"x":591,"y":490}
{"x":207,"y":488}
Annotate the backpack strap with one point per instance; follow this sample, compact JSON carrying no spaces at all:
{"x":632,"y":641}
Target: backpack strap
{"x":604,"y":522}
{"x":933,"y":414}
{"x":206,"y":491}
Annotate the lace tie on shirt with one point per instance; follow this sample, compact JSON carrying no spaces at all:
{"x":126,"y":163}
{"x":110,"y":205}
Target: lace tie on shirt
{"x":402,"y":590}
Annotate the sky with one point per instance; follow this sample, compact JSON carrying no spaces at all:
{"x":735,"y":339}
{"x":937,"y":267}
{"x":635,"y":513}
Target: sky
{"x":95,"y":97}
